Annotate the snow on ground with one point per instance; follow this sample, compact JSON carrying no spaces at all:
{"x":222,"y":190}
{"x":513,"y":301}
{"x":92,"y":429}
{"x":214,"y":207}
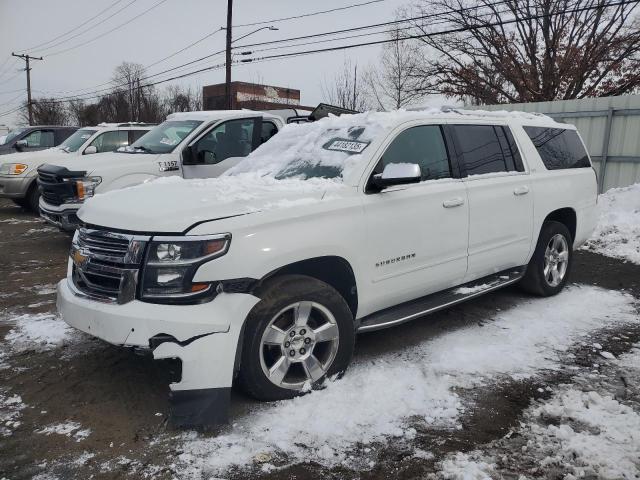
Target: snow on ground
{"x":10,"y":408}
{"x":38,"y":331}
{"x":68,"y":429}
{"x":617,"y":234}
{"x":586,"y":429}
{"x":411,"y":388}
{"x":593,"y":433}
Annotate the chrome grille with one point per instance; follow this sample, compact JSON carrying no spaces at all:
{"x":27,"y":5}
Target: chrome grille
{"x":106,"y":264}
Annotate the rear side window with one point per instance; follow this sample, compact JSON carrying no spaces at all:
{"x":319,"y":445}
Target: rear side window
{"x":111,"y":141}
{"x":487,"y":149}
{"x":558,"y":148}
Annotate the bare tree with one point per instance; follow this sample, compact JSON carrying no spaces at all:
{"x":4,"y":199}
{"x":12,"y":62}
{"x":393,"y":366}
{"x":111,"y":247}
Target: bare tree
{"x":558,"y":49}
{"x":179,"y":99}
{"x":128,"y":79}
{"x":346,"y":89}
{"x":46,"y":111}
{"x":392,"y":83}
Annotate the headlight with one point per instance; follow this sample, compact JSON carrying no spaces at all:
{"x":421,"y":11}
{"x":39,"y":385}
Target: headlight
{"x":86,"y":187}
{"x":171,"y":263}
{"x":13,"y":168}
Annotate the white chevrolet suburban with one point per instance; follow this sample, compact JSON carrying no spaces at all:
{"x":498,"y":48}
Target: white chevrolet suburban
{"x":187,"y":144}
{"x":350,"y":224}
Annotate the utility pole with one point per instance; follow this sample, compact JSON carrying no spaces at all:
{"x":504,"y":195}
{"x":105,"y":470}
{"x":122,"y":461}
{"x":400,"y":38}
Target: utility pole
{"x":227,"y":87}
{"x":26,"y":58}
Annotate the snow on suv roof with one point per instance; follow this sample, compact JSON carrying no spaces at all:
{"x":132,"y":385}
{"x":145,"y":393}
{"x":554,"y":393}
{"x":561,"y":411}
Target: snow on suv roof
{"x":339,"y":147}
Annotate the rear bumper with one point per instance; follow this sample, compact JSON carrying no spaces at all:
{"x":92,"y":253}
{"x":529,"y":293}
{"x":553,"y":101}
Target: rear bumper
{"x":14,"y":186}
{"x":64,"y":216}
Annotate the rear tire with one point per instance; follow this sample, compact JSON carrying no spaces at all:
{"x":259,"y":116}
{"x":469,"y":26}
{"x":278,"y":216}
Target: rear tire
{"x":548,"y":270}
{"x":301,"y":332}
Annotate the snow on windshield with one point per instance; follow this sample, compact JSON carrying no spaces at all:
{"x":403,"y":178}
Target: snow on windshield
{"x":328,"y":148}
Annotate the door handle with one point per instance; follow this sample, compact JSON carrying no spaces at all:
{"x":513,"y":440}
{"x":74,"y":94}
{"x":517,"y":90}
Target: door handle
{"x":453,"y":202}
{"x":523,"y":190}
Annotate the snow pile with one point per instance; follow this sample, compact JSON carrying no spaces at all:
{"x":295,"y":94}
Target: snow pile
{"x":68,"y":429}
{"x":617,"y":234}
{"x":381,"y":399}
{"x":462,"y":467}
{"x":40,"y":332}
{"x":596,"y":435}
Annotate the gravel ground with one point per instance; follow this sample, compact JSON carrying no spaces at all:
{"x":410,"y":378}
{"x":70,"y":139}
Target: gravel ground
{"x":74,"y":407}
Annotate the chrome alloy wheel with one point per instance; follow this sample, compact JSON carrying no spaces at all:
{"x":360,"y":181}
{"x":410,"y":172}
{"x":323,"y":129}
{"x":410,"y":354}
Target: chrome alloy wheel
{"x":299,"y":345}
{"x":556,"y":260}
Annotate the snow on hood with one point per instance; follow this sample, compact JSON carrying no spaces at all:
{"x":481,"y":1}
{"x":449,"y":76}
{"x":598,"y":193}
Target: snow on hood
{"x":173,"y":204}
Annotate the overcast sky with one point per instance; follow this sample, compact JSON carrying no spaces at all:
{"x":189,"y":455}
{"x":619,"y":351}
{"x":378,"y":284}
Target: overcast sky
{"x":162,"y":31}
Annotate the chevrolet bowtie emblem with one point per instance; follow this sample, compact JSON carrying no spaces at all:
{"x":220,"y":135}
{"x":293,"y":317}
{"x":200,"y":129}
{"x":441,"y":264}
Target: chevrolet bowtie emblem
{"x":78,"y":258}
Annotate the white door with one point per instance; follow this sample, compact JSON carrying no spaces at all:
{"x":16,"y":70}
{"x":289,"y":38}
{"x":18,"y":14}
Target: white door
{"x":222,"y":147}
{"x":417,"y":234}
{"x":500,"y":199}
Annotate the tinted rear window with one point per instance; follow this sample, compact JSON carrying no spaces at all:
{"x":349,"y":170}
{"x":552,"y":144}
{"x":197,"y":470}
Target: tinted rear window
{"x":558,"y":148}
{"x":481,"y":150}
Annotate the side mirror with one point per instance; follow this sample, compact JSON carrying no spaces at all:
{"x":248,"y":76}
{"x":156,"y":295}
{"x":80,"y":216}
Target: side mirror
{"x":90,"y":150}
{"x":396,"y":174}
{"x":20,"y":144}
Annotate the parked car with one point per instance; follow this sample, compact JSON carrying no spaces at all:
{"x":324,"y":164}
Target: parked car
{"x":188,"y":144}
{"x":347,"y":225}
{"x":18,"y":173}
{"x":31,"y":139}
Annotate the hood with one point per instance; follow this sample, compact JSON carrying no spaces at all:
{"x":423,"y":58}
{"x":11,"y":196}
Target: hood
{"x":173,"y":204}
{"x":37,"y":158}
{"x":90,"y":163}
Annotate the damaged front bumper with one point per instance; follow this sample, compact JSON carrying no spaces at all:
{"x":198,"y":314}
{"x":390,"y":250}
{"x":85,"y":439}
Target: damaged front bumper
{"x":204,"y":337}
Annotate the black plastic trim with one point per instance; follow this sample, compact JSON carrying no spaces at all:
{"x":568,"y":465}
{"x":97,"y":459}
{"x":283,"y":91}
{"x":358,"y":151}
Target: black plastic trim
{"x":202,"y":408}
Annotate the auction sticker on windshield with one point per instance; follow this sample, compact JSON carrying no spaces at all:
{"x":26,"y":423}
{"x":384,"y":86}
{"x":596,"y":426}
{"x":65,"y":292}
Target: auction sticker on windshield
{"x":348,"y":146}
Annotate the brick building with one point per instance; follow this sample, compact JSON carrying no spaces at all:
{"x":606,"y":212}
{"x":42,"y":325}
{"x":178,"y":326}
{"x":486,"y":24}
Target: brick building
{"x":250,"y":95}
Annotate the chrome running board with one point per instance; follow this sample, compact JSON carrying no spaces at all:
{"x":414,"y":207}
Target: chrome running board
{"x":437,"y":301}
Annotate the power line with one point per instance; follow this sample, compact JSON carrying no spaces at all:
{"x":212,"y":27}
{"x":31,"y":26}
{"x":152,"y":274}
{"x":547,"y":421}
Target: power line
{"x":433,"y":34}
{"x":35,"y":47}
{"x":366,"y":27}
{"x":422,"y":17}
{"x":117,"y":27}
{"x":311,"y":14}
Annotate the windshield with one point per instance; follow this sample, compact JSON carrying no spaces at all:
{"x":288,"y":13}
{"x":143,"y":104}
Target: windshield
{"x":329,"y":148}
{"x":164,"y":138}
{"x":76,"y":140}
{"x":13,"y":134}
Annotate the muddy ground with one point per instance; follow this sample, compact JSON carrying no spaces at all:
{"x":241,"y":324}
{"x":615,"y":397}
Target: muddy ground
{"x":122,"y":397}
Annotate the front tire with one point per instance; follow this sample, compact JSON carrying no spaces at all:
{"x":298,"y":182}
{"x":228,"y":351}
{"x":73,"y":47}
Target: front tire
{"x":548,"y":270}
{"x":301,"y":332}
{"x":33,"y":198}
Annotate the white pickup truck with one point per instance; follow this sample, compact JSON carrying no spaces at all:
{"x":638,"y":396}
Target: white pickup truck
{"x":188,"y":144}
{"x":351,"y":224}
